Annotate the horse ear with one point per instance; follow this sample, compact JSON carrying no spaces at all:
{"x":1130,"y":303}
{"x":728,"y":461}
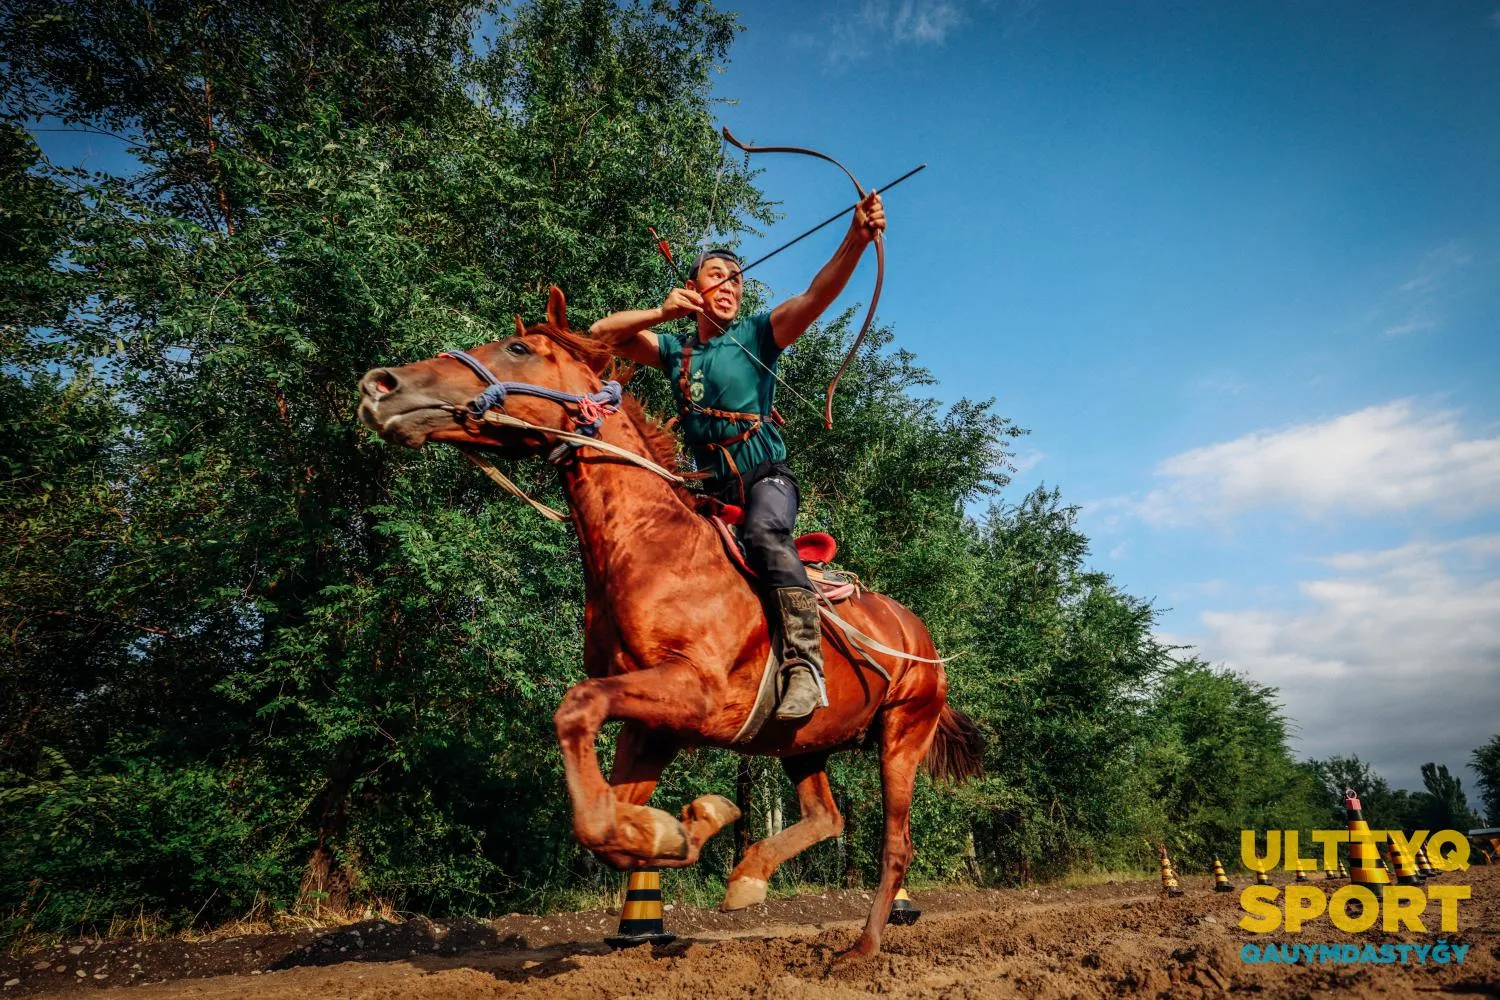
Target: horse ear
{"x":557,"y":308}
{"x":520,"y":326}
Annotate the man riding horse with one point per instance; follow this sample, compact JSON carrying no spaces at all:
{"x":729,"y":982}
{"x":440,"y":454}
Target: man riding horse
{"x":723,"y":377}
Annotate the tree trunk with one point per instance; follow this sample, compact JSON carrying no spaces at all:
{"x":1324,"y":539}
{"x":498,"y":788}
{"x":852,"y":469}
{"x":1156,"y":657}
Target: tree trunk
{"x":772,"y":791}
{"x":743,"y":788}
{"x":326,"y":884}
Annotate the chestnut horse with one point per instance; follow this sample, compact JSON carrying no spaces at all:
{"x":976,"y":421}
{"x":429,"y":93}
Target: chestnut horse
{"x":675,"y":637}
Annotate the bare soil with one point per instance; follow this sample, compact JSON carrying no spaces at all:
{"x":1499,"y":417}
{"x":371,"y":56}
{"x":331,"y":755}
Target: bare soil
{"x":1117,"y":939}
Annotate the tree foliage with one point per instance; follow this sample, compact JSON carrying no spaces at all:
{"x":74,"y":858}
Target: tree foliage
{"x":1486,"y":761}
{"x":257,"y":660}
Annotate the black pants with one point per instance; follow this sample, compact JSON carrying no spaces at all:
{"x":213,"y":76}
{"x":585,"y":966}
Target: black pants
{"x":770,"y":504}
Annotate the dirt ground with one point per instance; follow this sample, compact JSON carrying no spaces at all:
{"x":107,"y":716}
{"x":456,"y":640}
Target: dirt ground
{"x":1117,"y":939}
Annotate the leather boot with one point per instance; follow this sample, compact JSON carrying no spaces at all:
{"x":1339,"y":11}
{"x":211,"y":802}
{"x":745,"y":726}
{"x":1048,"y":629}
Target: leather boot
{"x":801,"y":680}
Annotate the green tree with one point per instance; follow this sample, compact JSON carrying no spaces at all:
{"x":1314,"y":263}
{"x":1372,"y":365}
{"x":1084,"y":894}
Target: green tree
{"x":1383,"y":808}
{"x":1486,"y":761}
{"x":362,"y":647}
{"x":1232,"y":769}
{"x":1443,"y":806}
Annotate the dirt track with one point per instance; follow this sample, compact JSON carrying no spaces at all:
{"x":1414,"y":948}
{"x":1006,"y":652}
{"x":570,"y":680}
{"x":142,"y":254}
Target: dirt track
{"x":1111,"y":940}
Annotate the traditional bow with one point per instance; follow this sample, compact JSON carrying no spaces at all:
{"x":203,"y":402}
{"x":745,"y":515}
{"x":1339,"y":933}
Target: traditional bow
{"x":879,"y":259}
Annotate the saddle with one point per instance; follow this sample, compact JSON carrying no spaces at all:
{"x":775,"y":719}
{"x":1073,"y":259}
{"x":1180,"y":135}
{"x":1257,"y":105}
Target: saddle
{"x":816,"y":549}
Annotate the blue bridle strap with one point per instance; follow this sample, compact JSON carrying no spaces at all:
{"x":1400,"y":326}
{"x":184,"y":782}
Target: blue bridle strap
{"x":592,"y":408}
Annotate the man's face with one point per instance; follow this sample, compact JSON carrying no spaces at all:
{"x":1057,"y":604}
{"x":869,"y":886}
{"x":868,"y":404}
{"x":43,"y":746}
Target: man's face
{"x":721,"y":302}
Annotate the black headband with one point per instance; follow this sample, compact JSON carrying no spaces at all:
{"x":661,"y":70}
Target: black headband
{"x":709,"y":255}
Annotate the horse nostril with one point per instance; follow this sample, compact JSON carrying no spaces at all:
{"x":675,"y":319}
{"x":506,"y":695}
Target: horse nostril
{"x":381,"y":382}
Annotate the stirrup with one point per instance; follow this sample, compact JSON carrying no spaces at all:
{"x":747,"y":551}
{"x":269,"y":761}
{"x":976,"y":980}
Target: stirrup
{"x":822,"y":691}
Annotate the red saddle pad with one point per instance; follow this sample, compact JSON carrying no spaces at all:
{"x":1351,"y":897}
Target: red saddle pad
{"x":813,"y":547}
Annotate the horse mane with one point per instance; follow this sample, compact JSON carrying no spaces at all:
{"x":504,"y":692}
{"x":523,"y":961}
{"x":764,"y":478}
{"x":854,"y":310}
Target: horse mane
{"x":598,"y":355}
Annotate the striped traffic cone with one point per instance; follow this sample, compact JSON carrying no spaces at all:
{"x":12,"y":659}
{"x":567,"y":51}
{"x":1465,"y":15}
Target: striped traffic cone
{"x":1168,"y":876}
{"x":1328,"y":873}
{"x":1364,"y":858}
{"x":1406,"y":872}
{"x":1428,"y":869}
{"x":1343,"y":872}
{"x":640,"y":919}
{"x":903,"y":910}
{"x":1261,"y":878}
{"x":1221,"y":881}
{"x":1301,"y":875}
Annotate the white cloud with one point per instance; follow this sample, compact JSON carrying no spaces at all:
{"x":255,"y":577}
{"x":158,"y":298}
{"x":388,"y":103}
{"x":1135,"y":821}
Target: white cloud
{"x":1395,"y":656}
{"x":1381,"y":459}
{"x":1413,"y":325}
{"x":856,"y":32}
{"x":1417,"y":304}
{"x":1218,"y":385}
{"x":1437,"y":265}
{"x":925,"y":23}
{"x":1027,"y":460}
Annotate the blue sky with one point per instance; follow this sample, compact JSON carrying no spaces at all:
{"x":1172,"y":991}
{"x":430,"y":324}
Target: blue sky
{"x":1237,"y":267}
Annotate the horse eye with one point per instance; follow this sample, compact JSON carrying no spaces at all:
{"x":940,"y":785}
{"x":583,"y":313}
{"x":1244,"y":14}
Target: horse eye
{"x":519,"y":349}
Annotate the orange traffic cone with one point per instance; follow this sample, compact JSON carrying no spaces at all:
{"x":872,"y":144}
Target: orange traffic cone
{"x":640,"y":919}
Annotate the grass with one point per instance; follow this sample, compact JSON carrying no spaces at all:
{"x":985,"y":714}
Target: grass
{"x":1083,"y":880}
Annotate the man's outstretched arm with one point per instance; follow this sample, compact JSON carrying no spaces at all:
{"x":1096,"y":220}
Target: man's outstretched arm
{"x":791,"y":319}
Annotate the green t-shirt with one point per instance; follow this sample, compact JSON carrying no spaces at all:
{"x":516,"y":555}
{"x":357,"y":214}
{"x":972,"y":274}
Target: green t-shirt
{"x":721,"y":376}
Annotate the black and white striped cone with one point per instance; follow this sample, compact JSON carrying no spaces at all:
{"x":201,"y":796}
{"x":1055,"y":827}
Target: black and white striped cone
{"x":903,"y":910}
{"x":640,"y":918}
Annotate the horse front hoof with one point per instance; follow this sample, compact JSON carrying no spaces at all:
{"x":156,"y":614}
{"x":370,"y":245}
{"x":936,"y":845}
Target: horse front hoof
{"x":651,"y":835}
{"x":712,"y":812}
{"x":743,"y":892}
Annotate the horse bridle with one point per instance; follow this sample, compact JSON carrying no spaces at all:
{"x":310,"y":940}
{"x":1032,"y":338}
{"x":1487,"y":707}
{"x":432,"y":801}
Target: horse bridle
{"x":592,"y":407}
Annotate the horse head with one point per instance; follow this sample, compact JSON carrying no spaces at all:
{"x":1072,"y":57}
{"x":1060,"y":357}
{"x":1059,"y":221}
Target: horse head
{"x":431,"y":400}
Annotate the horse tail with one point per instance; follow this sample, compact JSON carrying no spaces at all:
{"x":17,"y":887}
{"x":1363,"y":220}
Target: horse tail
{"x":957,"y":752}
